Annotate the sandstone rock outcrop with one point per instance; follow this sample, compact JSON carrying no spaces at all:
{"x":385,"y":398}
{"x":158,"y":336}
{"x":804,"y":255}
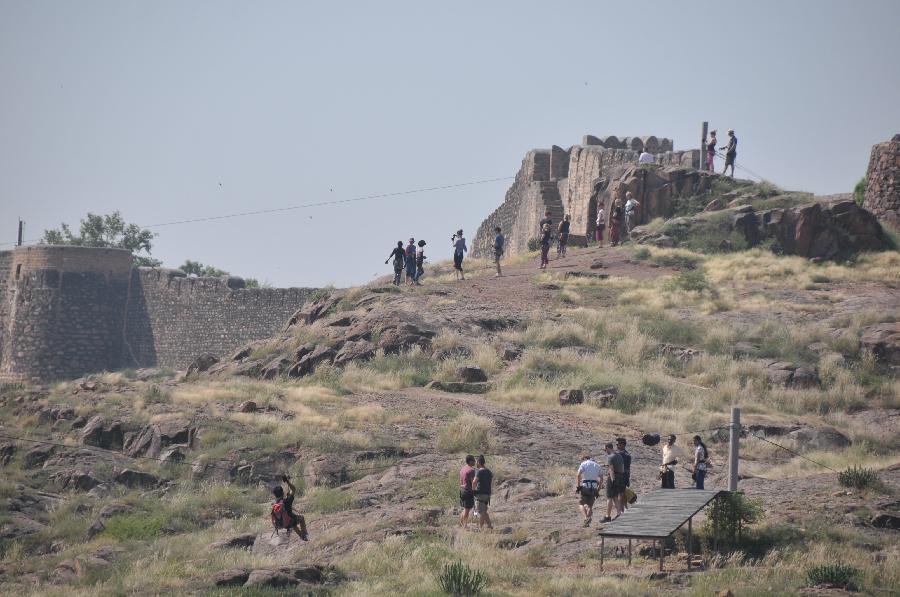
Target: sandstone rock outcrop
{"x":883,"y":340}
{"x":883,"y":181}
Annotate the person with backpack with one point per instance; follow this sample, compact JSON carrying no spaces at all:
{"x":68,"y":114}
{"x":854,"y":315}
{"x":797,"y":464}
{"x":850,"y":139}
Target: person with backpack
{"x":420,"y":261}
{"x":563,"y":232}
{"x":399,"y":256}
{"x":700,"y":457}
{"x":282,"y":513}
{"x":466,"y":494}
{"x":411,"y":262}
{"x":545,"y":246}
{"x":587,"y":484}
{"x":499,"y":242}
{"x":481,"y":487}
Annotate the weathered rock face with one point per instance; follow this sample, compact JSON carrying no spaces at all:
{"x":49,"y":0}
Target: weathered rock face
{"x":569,"y":181}
{"x":884,"y":341}
{"x":97,"y":432}
{"x":820,"y":230}
{"x":883,"y":181}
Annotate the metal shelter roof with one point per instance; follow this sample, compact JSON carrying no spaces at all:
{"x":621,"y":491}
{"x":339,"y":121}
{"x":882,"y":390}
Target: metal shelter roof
{"x":659,"y":513}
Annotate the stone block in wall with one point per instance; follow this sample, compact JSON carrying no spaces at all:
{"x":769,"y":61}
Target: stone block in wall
{"x":633,"y":143}
{"x":666,"y":145}
{"x":559,"y":162}
{"x":613,"y":142}
{"x":538,"y":164}
{"x":591,"y":140}
{"x":883,"y":181}
{"x":651,"y":144}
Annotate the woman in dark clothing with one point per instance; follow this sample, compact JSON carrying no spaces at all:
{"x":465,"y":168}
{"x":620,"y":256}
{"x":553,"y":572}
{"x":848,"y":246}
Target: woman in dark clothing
{"x":545,"y":246}
{"x":615,"y":223}
{"x":399,"y":256}
{"x":411,"y":262}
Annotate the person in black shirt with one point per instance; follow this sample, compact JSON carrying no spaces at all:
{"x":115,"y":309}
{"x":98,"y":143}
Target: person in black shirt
{"x":626,"y":461}
{"x":285,"y":504}
{"x":399,"y":256}
{"x":730,"y":153}
{"x":563,"y":240}
{"x":481,"y":486}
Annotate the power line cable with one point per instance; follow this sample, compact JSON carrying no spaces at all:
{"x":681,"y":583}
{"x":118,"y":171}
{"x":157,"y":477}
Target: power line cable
{"x":313,"y":204}
{"x":794,"y":452}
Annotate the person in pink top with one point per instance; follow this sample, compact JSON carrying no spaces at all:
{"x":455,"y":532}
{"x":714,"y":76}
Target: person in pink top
{"x":466,"y":495}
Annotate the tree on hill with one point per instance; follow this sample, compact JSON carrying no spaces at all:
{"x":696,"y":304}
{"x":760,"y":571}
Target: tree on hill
{"x":109,"y":231}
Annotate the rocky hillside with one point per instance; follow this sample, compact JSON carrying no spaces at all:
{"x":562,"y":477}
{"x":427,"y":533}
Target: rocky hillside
{"x":157,"y":482}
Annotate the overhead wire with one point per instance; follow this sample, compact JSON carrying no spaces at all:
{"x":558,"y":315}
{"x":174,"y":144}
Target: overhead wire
{"x":312,"y":204}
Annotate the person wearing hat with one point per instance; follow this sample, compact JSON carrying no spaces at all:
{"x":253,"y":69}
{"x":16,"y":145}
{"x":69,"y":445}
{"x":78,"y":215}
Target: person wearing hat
{"x":711,"y":151}
{"x":730,"y":152}
{"x":411,"y":262}
{"x":420,"y":261}
{"x":459,"y":250}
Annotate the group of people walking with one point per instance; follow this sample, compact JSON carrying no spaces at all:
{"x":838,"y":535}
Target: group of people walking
{"x":411,"y":258}
{"x":545,"y":238}
{"x":617,"y":482}
{"x":730,"y":151}
{"x":475,"y":480}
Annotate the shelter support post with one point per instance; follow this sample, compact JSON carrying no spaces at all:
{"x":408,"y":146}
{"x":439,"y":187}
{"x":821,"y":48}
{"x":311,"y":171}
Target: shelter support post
{"x":734,"y":438}
{"x":629,"y":552}
{"x":662,"y":549}
{"x":602,"y":543}
{"x":690,"y":541}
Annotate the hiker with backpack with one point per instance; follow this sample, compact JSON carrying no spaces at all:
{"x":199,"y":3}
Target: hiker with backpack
{"x":700,"y":457}
{"x":587,"y":485}
{"x":282,"y":513}
{"x":563,"y":232}
{"x":399,"y":256}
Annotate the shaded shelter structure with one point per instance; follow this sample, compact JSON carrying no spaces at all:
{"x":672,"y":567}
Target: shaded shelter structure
{"x":656,"y":516}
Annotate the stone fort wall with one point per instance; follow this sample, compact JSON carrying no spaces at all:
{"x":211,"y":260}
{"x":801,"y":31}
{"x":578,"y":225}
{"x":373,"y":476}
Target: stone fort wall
{"x":67,"y":311}
{"x":883,"y":181}
{"x":561,"y":181}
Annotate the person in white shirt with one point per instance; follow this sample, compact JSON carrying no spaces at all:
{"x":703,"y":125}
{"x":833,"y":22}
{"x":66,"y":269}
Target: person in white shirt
{"x":588,"y":487}
{"x":646,"y":158}
{"x":631,"y":206}
{"x":601,"y":223}
{"x":671,"y":453}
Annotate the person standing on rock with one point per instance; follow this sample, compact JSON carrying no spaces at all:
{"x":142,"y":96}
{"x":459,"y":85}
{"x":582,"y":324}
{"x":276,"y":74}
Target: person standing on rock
{"x":420,"y":261}
{"x":631,"y":217}
{"x":466,"y":494}
{"x":615,"y":485}
{"x":563,"y":232}
{"x":587,"y":484}
{"x":711,"y":151}
{"x":670,"y":455}
{"x":601,"y":224}
{"x":699,"y":468}
{"x":283,"y":515}
{"x":399,"y":256}
{"x":411,"y":262}
{"x":730,"y":153}
{"x":481,"y":487}
{"x":459,"y":251}
{"x":545,"y":246}
{"x":499,"y":243}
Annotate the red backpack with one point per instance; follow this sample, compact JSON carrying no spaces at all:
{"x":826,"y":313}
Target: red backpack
{"x":281,"y":518}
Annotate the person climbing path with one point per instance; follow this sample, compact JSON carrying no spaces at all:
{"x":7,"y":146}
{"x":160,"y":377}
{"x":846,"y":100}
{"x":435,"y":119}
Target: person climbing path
{"x":399,"y":256}
{"x":282,"y":513}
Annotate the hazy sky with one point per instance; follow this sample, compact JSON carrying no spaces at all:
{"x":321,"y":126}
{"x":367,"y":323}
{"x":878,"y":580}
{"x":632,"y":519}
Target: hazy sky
{"x":170,"y":110}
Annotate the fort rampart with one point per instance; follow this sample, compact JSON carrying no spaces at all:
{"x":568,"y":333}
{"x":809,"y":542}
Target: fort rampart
{"x":66,"y":311}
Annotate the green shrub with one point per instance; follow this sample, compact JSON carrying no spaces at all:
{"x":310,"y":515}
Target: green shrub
{"x":534,"y":244}
{"x":858,"y":477}
{"x":441,"y":491}
{"x":642,"y":254}
{"x":154,"y":395}
{"x":135,"y":526}
{"x":837,"y":575}
{"x":691,"y":280}
{"x":460,"y":580}
{"x":679,"y":260}
{"x":729,"y":514}
{"x":467,"y":433}
{"x":859,"y":191}
{"x":326,"y":500}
